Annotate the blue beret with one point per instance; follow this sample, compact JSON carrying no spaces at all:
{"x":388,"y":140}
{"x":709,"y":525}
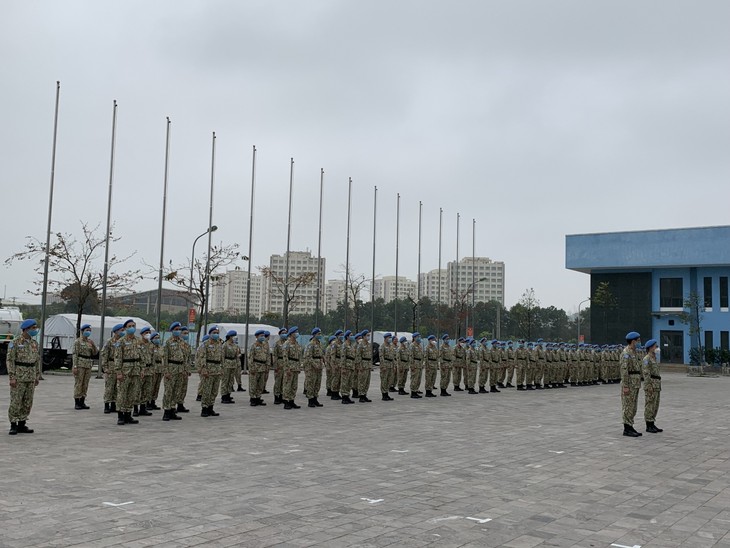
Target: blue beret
{"x":347,"y":333}
{"x":231,"y":333}
{"x":212,"y":328}
{"x":632,"y":336}
{"x":117,"y":327}
{"x":174,"y":325}
{"x":648,"y":344}
{"x":431,"y":337}
{"x":461,"y":339}
{"x":282,"y":330}
{"x":259,"y":332}
{"x":154,"y":334}
{"x":445,"y":337}
{"x":315,"y":331}
{"x":292,"y":330}
{"x":387,"y":335}
{"x":145,"y":330}
{"x":267,"y":333}
{"x":358,"y":335}
{"x":27,"y":324}
{"x":539,"y":340}
{"x":331,"y":338}
{"x":510,"y":343}
{"x":85,"y":326}
{"x":185,"y":328}
{"x":495,"y":341}
{"x":416,"y":334}
{"x":338,"y":332}
{"x":402,"y":339}
{"x":130,"y":320}
{"x":205,"y":338}
{"x":364,"y":332}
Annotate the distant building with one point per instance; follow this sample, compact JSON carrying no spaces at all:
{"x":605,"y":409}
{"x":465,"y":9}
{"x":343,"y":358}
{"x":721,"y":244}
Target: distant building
{"x":385,"y":288}
{"x":174,"y":301}
{"x":228,"y":293}
{"x":334,"y":293}
{"x":430,"y":282}
{"x":480,"y":276}
{"x":300,"y":263}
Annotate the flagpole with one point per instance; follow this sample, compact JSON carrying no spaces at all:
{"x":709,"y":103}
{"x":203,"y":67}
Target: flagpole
{"x":44,"y":294}
{"x":372,"y":280}
{"x":99,"y":372}
{"x":319,"y":249}
{"x":288,"y":243}
{"x":250,"y":260}
{"x":418,"y":283}
{"x":473,"y":274}
{"x":210,"y":236}
{"x":456,"y":293}
{"x":397,"y":244}
{"x":164,"y":216}
{"x":438,"y":289}
{"x":347,"y":252}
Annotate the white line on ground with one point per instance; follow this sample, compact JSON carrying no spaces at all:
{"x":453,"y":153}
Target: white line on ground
{"x":118,"y":505}
{"x":478,"y":520}
{"x":372,"y":501}
{"x":557,"y":452}
{"x":396,"y":451}
{"x":447,"y":518}
{"x":622,"y":546}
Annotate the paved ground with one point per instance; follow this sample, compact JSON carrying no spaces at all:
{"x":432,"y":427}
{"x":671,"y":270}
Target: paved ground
{"x":514,"y":469}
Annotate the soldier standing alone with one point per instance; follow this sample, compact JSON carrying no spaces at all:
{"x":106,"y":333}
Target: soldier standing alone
{"x":23,"y":362}
{"x":83,"y":352}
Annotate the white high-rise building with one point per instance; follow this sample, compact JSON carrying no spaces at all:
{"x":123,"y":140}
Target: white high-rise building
{"x":301,"y":264}
{"x":228,"y":293}
{"x":334,"y":293}
{"x":481,"y":276}
{"x":384,"y":288}
{"x":430,"y":282}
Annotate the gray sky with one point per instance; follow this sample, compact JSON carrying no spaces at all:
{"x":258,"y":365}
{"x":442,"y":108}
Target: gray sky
{"x":537,"y":118}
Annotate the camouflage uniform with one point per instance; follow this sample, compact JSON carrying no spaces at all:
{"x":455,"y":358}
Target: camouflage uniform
{"x":347,"y":367}
{"x":257,"y":366}
{"x":521,"y":358}
{"x":184,"y":374}
{"x":446,"y":358}
{"x":313,"y":364}
{"x":174,"y":368}
{"x":336,"y":358}
{"x":417,"y":355}
{"x":106,"y":362}
{"x":432,"y":365}
{"x":631,"y":378}
{"x":364,"y":367}
{"x":457,"y":369}
{"x":539,"y":372}
{"x":403,"y":366}
{"x":292,"y":365}
{"x":329,"y":363}
{"x":146,"y":379}
{"x":278,"y":356}
{"x":388,"y":355}
{"x":83,"y":352}
{"x":472,"y":366}
{"x":393,"y":375}
{"x":509,"y":366}
{"x":128,"y":363}
{"x":652,"y":387}
{"x":23,"y":362}
{"x":209,"y":363}
{"x":156,"y":376}
{"x":485,"y":357}
{"x":497,"y":372}
{"x":231,"y":361}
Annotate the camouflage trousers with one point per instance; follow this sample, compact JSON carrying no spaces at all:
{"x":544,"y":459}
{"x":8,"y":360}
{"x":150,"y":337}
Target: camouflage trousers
{"x":266,"y":378}
{"x":256,"y":383}
{"x":81,"y":381}
{"x":363,"y":378}
{"x":346,"y":378}
{"x":208,"y":389}
{"x":393,"y":376}
{"x":128,"y":392}
{"x":457,"y":373}
{"x":237,"y":375}
{"x":521,"y":373}
{"x":228,"y":375}
{"x":110,"y":387}
{"x":386,"y":371}
{"x":336,"y":375}
{"x":289,"y":384}
{"x":628,"y":404}
{"x":182,"y":387}
{"x":172,"y":389}
{"x":509,"y":373}
{"x":145,"y":387}
{"x":402,"y":372}
{"x":278,"y":380}
{"x":431,"y":371}
{"x":445,"y":376}
{"x":483,"y":374}
{"x":651,"y":404}
{"x":21,"y":400}
{"x":470,"y":378}
{"x":537,"y":373}
{"x":416,"y":373}
{"x":156,"y":382}
{"x":312,"y":381}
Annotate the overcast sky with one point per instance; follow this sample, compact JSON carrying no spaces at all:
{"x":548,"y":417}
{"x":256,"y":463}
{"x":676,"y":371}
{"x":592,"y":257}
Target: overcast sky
{"x":536,"y":118}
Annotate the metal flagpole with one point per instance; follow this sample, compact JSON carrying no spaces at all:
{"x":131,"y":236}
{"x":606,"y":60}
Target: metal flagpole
{"x":250,"y":260}
{"x":210,"y":237}
{"x":418,"y":282}
{"x":347,"y":251}
{"x":288,"y":243}
{"x":473,"y":274}
{"x":99,"y":372}
{"x":438,"y":289}
{"x":456,"y":293}
{"x":397,"y":243}
{"x":44,"y":295}
{"x":164,"y":215}
{"x":372,"y":281}
{"x":319,"y":249}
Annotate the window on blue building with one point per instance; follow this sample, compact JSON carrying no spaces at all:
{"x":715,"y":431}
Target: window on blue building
{"x":724,"y":340}
{"x":708,"y":292}
{"x":709,"y":342}
{"x":723,"y":291}
{"x":671,"y":292}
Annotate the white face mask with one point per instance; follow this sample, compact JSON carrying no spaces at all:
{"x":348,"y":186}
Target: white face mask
{"x":147,"y":336}
{"x":658,"y":352}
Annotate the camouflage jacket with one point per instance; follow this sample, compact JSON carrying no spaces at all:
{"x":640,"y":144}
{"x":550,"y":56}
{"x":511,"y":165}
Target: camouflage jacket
{"x":83,"y":351}
{"x":23,"y":360}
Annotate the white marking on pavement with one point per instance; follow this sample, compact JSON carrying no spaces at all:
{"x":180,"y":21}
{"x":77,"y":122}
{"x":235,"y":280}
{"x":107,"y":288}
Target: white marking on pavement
{"x":484,"y":520}
{"x":293,"y":451}
{"x":255,"y":453}
{"x":199,"y":465}
{"x":622,"y":546}
{"x":397,"y":451}
{"x":372,"y":501}
{"x":535,"y":426}
{"x":557,"y":452}
{"x":118,"y":505}
{"x":447,"y":518}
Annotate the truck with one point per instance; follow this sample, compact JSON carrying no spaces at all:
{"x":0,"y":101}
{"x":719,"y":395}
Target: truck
{"x":10,"y":319}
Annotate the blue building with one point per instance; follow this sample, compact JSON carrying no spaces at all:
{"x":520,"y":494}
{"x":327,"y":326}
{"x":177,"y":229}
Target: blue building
{"x":649,"y":274}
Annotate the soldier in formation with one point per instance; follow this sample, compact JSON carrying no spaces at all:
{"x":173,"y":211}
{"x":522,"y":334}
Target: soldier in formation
{"x":231,"y":362}
{"x":292,"y":364}
{"x":652,"y":385}
{"x":259,"y":358}
{"x":313,"y":365}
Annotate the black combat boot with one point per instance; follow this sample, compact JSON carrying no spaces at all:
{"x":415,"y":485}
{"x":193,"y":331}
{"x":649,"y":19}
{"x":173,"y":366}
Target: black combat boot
{"x":77,"y":404}
{"x":182,"y":409}
{"x":23,"y":429}
{"x":204,"y":412}
{"x":346,"y":399}
{"x":107,"y":409}
{"x":483,"y":390}
{"x":153,"y":406}
{"x":415,"y":395}
{"x":630,"y":432}
{"x":294,"y":405}
{"x":173,"y":415}
{"x":402,"y":392}
{"x":264,"y":391}
{"x":329,"y":392}
{"x":261,"y":401}
{"x":392,"y":389}
{"x":500,"y":384}
{"x":212,"y":412}
{"x":365,"y":399}
{"x":83,"y":403}
{"x":240,"y":389}
{"x":226,"y":398}
{"x":317,"y":404}
{"x":651,"y":427}
{"x":254,"y":402}
{"x":520,"y":387}
{"x":538,"y":387}
{"x":458,"y":388}
{"x":386,"y":397}
{"x":509,"y":385}
{"x":166,"y":415}
{"x":335,"y":396}
{"x":113,"y":407}
{"x":472,"y":391}
{"x":143,"y":410}
{"x":355,"y":394}
{"x":198,"y":398}
{"x":287,"y":404}
{"x":128,"y":418}
{"x":430,"y":394}
{"x":121,"y":418}
{"x":13,"y":428}
{"x":311,"y":403}
{"x":530,"y":387}
{"x":135,"y":413}
{"x":278,"y":400}
{"x":494,"y":389}
{"x":444,"y":392}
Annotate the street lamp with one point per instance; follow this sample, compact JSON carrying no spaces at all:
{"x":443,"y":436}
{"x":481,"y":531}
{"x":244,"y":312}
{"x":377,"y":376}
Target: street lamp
{"x":192,"y":261}
{"x":579,"y":305}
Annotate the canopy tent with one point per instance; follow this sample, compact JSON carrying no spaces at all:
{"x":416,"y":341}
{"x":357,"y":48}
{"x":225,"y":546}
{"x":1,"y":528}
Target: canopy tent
{"x":63,"y":326}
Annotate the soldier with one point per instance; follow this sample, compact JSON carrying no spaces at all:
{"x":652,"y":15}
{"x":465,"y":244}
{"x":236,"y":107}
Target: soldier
{"x":23,"y":362}
{"x":231,"y":362}
{"x":652,"y":385}
{"x":313,"y":365}
{"x":156,"y":341}
{"x":457,"y":370}
{"x":432,"y":365}
{"x":364,"y":367}
{"x":259,"y":358}
{"x":347,"y":366}
{"x":209,"y":362}
{"x":416,"y":354}
{"x":484,"y":355}
{"x":84,"y":350}
{"x":106,"y":362}
{"x":185,"y":372}
{"x":329,"y":363}
{"x":393,"y":375}
{"x":174,"y":355}
{"x":387,"y":364}
{"x":336,"y":359}
{"x":630,"y":382}
{"x":509,"y":366}
{"x":237,"y":371}
{"x":403,"y":366}
{"x":472,"y":365}
{"x":496,"y":373}
{"x":292,"y":364}
{"x":128,"y":364}
{"x":146,"y":375}
{"x":531,"y":367}
{"x":520,"y":357}
{"x":278,"y":358}
{"x":446,"y":358}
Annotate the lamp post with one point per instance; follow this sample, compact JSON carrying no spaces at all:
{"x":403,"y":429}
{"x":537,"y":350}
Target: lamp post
{"x":579,"y":305}
{"x":192,"y":262}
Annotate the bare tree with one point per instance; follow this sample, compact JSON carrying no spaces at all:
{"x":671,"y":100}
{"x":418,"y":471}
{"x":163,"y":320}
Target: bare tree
{"x":290,"y":289}
{"x":76,"y":271}
{"x":525,"y":312}
{"x":355,"y":285}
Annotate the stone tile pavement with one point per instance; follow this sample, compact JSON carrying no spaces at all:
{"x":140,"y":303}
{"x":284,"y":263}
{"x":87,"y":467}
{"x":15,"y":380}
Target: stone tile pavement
{"x":516,"y":469}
